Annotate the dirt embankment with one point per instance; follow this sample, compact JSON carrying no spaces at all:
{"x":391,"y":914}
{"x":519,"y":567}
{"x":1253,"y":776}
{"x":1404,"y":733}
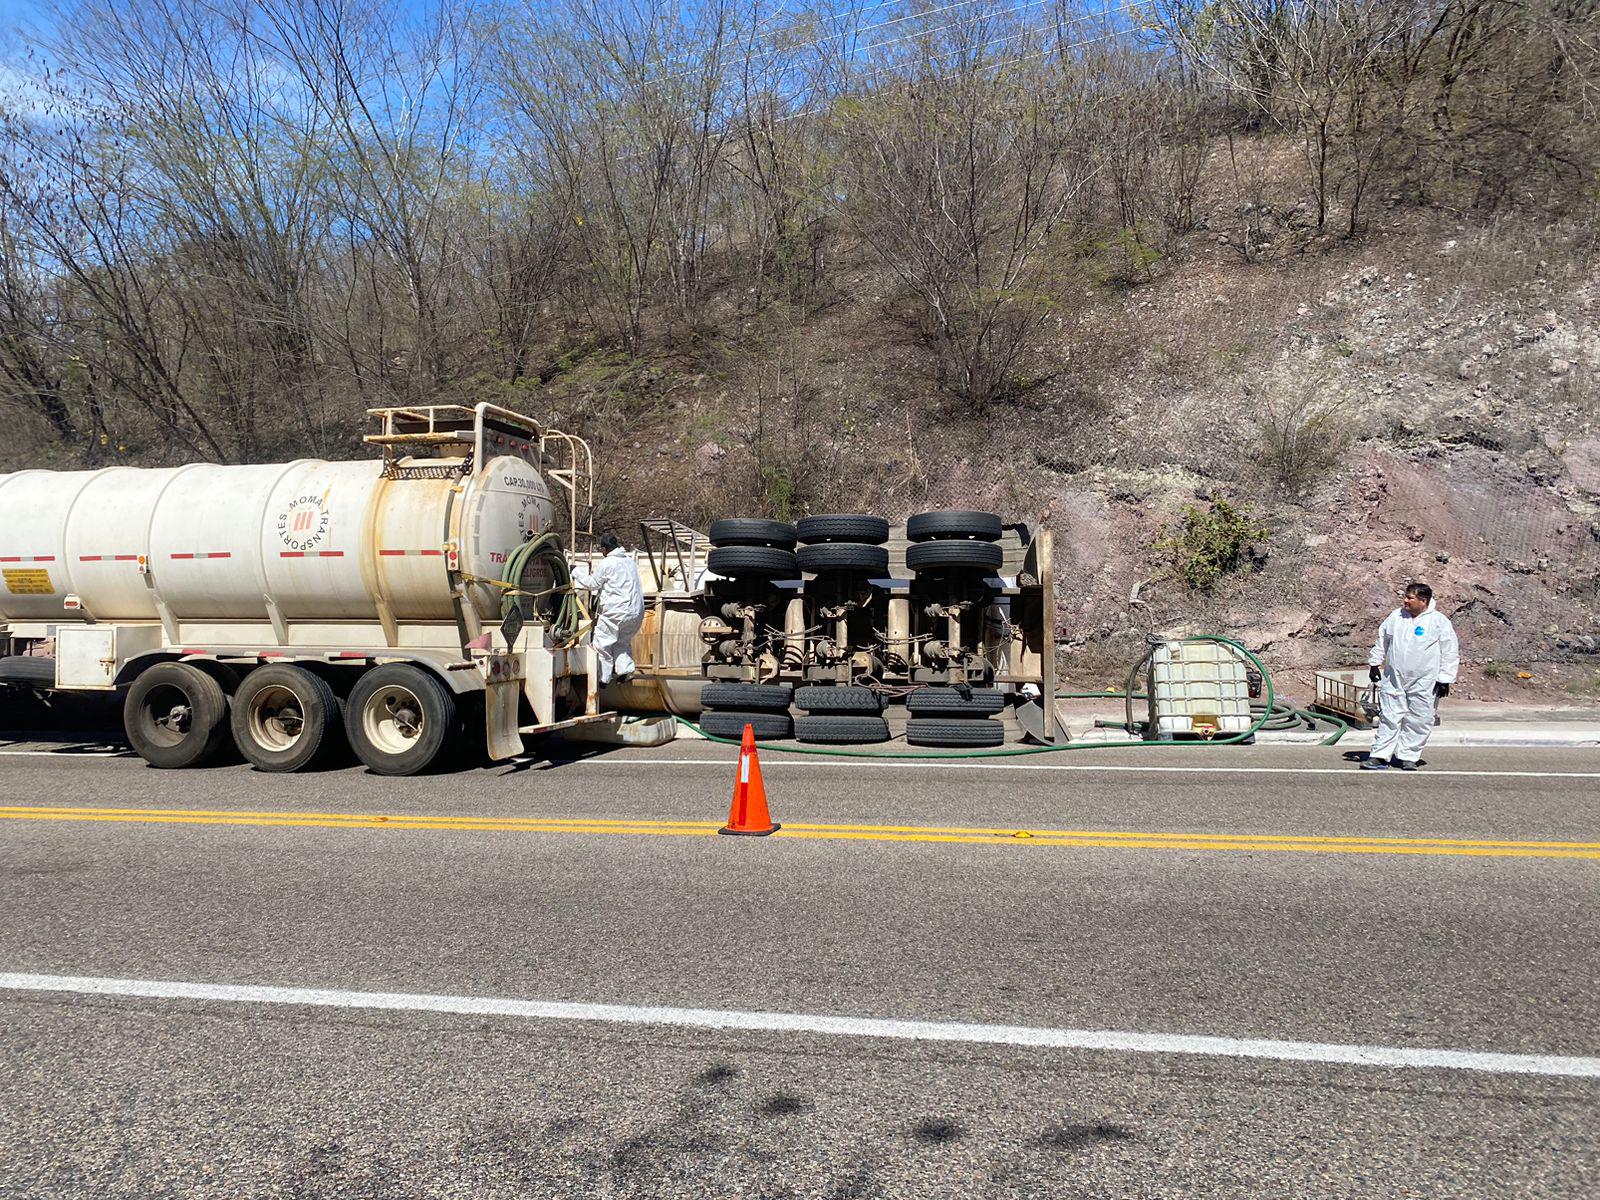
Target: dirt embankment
{"x":1452,"y":371}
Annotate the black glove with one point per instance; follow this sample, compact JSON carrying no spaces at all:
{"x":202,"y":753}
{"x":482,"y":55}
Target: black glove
{"x":1374,"y":673}
{"x":1441,"y":689}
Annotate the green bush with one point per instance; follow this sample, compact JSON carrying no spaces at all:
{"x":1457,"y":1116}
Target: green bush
{"x":1207,"y":544}
{"x":777,"y":488}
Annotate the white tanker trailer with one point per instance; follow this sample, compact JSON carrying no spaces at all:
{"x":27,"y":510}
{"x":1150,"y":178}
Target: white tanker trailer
{"x":278,"y":601}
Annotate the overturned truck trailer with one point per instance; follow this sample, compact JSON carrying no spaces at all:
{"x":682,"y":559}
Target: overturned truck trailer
{"x":839,"y":629}
{"x":294,"y":603}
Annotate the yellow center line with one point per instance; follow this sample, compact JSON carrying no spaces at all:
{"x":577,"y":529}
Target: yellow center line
{"x":792,"y":829}
{"x":348,"y":818}
{"x":309,"y":821}
{"x":1239,"y":843}
{"x":1219,"y":837}
{"x":1077,"y":838}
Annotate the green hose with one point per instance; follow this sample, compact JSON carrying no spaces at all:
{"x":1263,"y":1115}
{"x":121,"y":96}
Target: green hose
{"x":547,"y":546}
{"x":1019,"y":751}
{"x":1280,"y":716}
{"x":1283,"y":717}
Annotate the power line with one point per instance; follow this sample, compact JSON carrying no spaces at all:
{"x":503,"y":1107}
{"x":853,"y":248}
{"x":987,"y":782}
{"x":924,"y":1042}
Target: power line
{"x":1009,"y":62}
{"x":795,"y":27}
{"x":1044,"y":27}
{"x":973,"y":20}
{"x":987,"y":13}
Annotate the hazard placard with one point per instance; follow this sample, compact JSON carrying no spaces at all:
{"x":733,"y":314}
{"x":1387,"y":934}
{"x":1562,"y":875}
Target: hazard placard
{"x":28,"y":581}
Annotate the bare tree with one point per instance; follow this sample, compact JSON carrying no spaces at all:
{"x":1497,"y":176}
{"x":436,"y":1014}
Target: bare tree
{"x":28,"y":363}
{"x":960,"y":177}
{"x":399,"y":100}
{"x":228,"y":225}
{"x":620,"y":110}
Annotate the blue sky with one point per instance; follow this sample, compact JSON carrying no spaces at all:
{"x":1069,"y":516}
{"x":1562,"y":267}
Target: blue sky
{"x":17,"y":16}
{"x":29,"y":14}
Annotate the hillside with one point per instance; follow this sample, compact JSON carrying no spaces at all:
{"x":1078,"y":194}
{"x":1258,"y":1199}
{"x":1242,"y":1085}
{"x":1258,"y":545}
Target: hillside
{"x":1439,"y":377}
{"x":1265,"y":309}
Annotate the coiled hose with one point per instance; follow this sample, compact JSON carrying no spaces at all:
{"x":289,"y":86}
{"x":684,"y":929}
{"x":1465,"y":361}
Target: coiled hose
{"x":1266,"y":713}
{"x":568,"y":615}
{"x":1281,"y":717}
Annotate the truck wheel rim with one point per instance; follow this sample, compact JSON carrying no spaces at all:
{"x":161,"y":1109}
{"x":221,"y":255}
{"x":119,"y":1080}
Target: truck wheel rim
{"x":392,"y":719}
{"x":277,"y":718}
{"x":169,"y":715}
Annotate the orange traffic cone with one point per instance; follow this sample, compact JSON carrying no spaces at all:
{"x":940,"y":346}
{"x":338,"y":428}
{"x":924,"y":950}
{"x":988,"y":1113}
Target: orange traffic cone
{"x":748,"y":816}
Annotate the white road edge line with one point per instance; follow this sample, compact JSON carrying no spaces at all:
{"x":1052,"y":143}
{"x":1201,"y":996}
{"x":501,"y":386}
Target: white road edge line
{"x":774,"y":1022}
{"x":64,"y":753}
{"x":958,"y":765}
{"x":943,"y":764}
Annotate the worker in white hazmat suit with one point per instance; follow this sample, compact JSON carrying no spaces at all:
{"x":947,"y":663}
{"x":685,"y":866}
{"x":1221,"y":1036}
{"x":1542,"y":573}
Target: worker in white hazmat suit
{"x":1413,"y":662}
{"x":618,"y":608}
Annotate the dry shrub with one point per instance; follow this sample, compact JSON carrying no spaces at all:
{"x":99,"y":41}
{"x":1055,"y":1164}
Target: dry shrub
{"x":1302,"y":434}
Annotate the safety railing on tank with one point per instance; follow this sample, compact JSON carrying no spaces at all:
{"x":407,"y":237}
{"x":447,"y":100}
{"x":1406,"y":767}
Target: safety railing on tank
{"x":567,"y":460}
{"x":423,"y":430}
{"x":677,"y":552}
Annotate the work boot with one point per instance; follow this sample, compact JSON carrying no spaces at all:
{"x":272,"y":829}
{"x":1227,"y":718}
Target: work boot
{"x":1375,"y":764}
{"x":1404,"y":765}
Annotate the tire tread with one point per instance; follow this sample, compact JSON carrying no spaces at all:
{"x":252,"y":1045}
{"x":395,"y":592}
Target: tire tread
{"x":746,"y":697}
{"x":766,"y":726}
{"x":935,"y":731}
{"x":842,"y":730}
{"x":821,"y":699}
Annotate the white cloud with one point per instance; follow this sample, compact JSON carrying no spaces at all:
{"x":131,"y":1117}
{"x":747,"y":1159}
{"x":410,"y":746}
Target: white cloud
{"x":17,"y":85}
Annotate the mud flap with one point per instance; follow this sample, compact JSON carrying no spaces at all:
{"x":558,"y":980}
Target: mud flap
{"x":500,"y":706}
{"x":1039,"y":727}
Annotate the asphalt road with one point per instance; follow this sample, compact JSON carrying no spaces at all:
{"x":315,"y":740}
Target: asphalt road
{"x":1244,"y":896}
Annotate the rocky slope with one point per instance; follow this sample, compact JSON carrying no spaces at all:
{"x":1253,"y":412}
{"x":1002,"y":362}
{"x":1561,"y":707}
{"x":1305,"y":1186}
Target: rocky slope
{"x":1436,"y":383}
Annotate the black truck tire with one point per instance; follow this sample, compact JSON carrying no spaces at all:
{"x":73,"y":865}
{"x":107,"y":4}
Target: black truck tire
{"x":954,"y":524}
{"x":753,"y":531}
{"x":399,"y":718}
{"x":841,"y":731}
{"x":815,"y":699}
{"x":746,"y":697}
{"x":947,"y":702}
{"x":935,"y":731}
{"x":936,"y":556}
{"x":766,"y":726}
{"x":27,"y":671}
{"x":843,"y":527}
{"x":737,"y":562}
{"x":175,"y":715}
{"x":844,"y":556}
{"x":285,"y":718}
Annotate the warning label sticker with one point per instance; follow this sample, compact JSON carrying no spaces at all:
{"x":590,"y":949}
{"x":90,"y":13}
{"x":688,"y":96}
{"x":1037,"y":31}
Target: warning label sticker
{"x":28,"y":581}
